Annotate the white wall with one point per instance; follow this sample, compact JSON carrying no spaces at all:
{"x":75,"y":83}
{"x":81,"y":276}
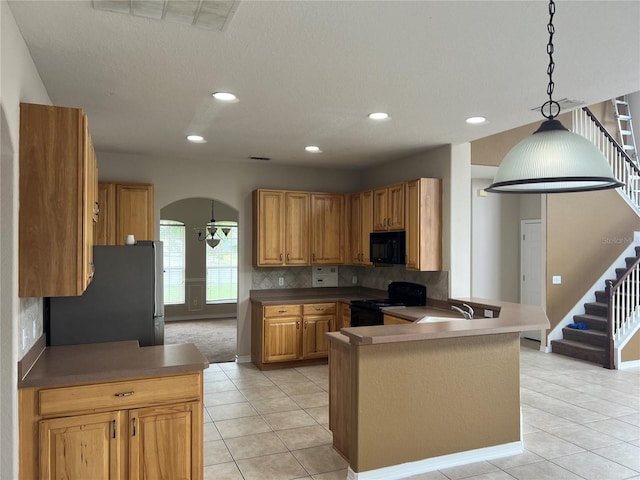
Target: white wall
{"x":19,"y":81}
{"x":231,"y":183}
{"x":495,"y":253}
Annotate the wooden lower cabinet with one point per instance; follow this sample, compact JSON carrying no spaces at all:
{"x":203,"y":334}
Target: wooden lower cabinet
{"x":281,"y":339}
{"x":83,"y":446}
{"x":290,"y":335}
{"x":391,"y":320}
{"x":344,"y":316}
{"x":134,"y":437}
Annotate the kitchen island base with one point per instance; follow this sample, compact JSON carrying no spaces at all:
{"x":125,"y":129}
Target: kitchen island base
{"x":401,"y":408}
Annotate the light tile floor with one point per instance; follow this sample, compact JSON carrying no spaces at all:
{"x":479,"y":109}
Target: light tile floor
{"x":581,"y":421}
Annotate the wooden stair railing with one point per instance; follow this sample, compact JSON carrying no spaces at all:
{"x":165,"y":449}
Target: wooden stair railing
{"x":624,"y":305}
{"x":625,"y":169}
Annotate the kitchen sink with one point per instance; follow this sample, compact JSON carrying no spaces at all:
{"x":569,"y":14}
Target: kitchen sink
{"x":429,"y":319}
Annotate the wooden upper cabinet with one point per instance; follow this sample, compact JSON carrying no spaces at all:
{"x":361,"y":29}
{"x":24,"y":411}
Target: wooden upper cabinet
{"x":296,"y":231}
{"x":134,"y":212}
{"x":388,"y":208}
{"x":327,"y":228}
{"x":125,"y":208}
{"x":424,"y":224}
{"x":361,"y":226}
{"x":105,"y":229}
{"x":280,"y":228}
{"x":57,"y":201}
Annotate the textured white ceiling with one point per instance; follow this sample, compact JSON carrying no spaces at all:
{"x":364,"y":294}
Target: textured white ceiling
{"x":309,"y":72}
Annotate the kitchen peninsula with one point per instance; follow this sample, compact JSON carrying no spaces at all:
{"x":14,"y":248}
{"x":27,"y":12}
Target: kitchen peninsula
{"x":111,"y":410}
{"x":411,"y":398}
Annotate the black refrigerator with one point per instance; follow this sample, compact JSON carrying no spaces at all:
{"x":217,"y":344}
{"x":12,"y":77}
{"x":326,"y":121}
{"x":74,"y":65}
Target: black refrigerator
{"x":124,"y":301}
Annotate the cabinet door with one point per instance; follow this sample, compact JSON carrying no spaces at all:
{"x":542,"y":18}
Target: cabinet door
{"x":83,"y":447}
{"x":105,"y":228}
{"x":54,"y":191}
{"x":134,"y":212}
{"x":395,"y":207}
{"x":281,"y":339}
{"x":269,"y":227}
{"x":327,"y":233}
{"x":413,"y":225}
{"x":355,"y":230}
{"x":90,"y":201}
{"x":314,"y":340}
{"x":165,"y":442}
{"x":380,"y":204}
{"x":296,"y":236}
{"x":366,"y":226}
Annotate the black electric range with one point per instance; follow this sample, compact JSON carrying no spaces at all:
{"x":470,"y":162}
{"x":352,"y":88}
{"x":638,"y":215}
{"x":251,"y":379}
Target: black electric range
{"x":400,"y":294}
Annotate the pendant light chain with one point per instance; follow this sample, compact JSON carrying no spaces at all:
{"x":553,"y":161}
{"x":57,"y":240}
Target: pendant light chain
{"x":550,"y":104}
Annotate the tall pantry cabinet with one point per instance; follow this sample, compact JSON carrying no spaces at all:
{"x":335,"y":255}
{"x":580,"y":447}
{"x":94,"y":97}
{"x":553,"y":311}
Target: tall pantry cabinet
{"x":58,"y":201}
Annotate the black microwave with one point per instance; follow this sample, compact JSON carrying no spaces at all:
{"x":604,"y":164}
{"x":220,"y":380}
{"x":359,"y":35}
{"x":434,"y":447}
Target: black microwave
{"x":388,"y":247}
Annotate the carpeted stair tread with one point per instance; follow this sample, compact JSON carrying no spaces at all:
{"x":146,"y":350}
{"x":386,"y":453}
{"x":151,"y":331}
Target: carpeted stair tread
{"x":593,"y":337}
{"x":594,"y":322}
{"x":578,"y":350}
{"x":630,"y":261}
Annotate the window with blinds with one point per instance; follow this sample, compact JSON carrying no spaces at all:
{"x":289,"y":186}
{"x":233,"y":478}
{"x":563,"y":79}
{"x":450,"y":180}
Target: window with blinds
{"x":222,"y":268}
{"x":172,"y":234}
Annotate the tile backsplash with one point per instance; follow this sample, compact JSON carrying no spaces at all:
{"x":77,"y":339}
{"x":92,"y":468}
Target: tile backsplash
{"x":371,"y":277}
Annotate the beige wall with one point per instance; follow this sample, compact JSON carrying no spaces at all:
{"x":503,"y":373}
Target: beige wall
{"x":195,"y":213}
{"x":586,"y":232}
{"x":631,"y":351}
{"x":454,"y":395}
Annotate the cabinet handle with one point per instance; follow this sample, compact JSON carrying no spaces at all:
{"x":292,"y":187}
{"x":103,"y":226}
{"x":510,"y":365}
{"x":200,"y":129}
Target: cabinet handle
{"x":280,"y":257}
{"x":318,"y":309}
{"x":135,"y":423}
{"x":288,"y":257}
{"x":305,"y":325}
{"x":93,"y":270}
{"x":313,"y":257}
{"x":298,"y":325}
{"x":282,"y":311}
{"x":114,"y":428}
{"x":123,"y":394}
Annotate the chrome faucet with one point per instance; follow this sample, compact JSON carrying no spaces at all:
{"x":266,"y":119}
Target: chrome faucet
{"x":469,"y":310}
{"x":466,"y":315}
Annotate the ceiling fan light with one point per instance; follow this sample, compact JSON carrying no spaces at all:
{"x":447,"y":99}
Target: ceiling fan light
{"x":553,"y":160}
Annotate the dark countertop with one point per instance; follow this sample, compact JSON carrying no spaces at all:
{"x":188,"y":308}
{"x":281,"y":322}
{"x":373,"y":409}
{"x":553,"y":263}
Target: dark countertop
{"x":113,"y":361}
{"x":314,"y":295}
{"x":513,"y":317}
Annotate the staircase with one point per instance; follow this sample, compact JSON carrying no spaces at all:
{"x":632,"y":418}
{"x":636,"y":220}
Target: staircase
{"x":592,"y":344}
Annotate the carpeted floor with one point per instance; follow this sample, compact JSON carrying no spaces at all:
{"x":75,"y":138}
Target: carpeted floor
{"x":215,"y":338}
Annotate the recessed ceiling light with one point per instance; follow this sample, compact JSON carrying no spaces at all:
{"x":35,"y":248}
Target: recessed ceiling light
{"x":224,"y":96}
{"x":476,"y":120}
{"x":313,"y":149}
{"x":378,"y":116}
{"x":196,"y":139}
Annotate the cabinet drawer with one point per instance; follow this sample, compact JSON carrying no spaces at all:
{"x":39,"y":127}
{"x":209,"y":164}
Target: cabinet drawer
{"x":281,"y":310}
{"x":319,"y":309}
{"x":117,"y":395}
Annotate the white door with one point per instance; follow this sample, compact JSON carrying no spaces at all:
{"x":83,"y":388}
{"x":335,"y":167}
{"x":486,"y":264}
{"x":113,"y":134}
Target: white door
{"x":531,"y":268}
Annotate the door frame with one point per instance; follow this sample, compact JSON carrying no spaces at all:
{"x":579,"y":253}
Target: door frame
{"x":539,"y":334}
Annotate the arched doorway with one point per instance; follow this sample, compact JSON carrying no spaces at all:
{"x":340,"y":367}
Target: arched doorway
{"x":201,"y":276}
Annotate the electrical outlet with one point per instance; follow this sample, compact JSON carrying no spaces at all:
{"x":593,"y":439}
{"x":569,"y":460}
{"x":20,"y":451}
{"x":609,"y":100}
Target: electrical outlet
{"x":194,"y":302}
{"x":281,"y":281}
{"x":24,"y":337}
{"x":488,"y":313}
{"x":354,"y":279}
{"x":556,"y":280}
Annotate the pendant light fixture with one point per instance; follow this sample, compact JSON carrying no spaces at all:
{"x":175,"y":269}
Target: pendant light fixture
{"x":214,"y":231}
{"x":553,"y":159}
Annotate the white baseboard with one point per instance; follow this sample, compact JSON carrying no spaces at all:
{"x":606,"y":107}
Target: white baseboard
{"x":626,"y":365}
{"x":409,"y":469}
{"x":184,"y":318}
{"x":243,"y":358}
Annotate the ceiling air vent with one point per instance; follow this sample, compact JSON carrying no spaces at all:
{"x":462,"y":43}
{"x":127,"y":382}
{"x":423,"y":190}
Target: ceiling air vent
{"x":565,"y":105}
{"x":209,"y":14}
